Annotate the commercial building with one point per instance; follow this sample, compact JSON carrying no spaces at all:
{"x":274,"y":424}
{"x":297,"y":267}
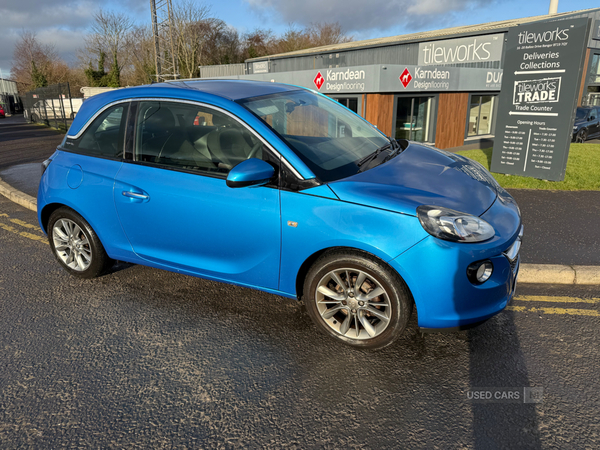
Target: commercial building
{"x":9,"y":96}
{"x":439,"y":87}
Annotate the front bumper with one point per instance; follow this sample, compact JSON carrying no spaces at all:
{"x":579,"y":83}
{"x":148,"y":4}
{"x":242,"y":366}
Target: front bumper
{"x":444,"y":296}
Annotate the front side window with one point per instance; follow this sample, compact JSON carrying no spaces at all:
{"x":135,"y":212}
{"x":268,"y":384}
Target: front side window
{"x":105,"y":135}
{"x":192,"y":137}
{"x":329,"y":138}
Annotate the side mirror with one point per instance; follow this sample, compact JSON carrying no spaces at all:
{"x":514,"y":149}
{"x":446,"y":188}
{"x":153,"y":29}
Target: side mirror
{"x":251,"y":172}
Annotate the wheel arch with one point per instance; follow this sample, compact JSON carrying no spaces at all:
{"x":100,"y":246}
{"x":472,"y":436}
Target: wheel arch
{"x":309,"y":262}
{"x":47,"y":211}
{"x":584,"y":131}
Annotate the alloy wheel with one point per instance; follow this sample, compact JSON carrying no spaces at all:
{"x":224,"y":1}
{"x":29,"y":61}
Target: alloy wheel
{"x":353,"y":303}
{"x":72,"y":245}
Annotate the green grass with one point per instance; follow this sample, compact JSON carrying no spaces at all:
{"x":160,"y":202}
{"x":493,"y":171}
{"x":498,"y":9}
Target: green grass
{"x":583,"y":170}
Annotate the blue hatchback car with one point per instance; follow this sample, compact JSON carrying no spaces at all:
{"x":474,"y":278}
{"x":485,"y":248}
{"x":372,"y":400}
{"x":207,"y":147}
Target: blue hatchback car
{"x":284,"y":190}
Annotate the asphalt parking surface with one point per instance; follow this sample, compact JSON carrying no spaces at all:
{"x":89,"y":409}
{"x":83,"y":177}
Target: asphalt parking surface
{"x":143,"y":358}
{"x":26,"y":143}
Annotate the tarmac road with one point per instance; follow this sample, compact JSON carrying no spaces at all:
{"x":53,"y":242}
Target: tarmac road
{"x":24,"y":143}
{"x":143,"y":358}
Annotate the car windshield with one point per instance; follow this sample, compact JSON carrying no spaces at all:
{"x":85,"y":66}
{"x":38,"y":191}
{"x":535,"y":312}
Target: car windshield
{"x":328,"y":137}
{"x":581,"y":114}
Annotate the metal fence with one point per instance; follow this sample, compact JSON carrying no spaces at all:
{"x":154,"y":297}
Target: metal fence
{"x":51,"y":105}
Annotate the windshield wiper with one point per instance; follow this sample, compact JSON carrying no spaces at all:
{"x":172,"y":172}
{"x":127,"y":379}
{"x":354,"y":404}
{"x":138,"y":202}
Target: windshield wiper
{"x":375,"y":154}
{"x":396,"y":149}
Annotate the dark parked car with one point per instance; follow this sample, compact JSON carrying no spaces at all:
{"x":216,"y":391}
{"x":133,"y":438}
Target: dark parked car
{"x":587,"y":123}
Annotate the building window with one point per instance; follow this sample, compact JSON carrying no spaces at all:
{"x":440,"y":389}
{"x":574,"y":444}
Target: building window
{"x":413,"y":118}
{"x":349,"y":102}
{"x":480,"y":115}
{"x":595,"y":69}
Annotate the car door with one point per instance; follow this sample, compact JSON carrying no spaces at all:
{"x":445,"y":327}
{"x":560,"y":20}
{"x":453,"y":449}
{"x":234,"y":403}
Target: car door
{"x":174,"y":204}
{"x":594,"y":125}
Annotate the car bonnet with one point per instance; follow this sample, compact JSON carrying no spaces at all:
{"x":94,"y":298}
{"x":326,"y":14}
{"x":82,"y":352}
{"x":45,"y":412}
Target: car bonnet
{"x":422,"y":175}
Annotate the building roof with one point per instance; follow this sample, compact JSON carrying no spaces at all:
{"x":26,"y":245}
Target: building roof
{"x":484,"y":28}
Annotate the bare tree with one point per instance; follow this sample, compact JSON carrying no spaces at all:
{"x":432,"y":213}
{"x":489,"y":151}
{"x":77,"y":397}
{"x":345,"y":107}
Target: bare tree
{"x":257,"y":43}
{"x":139,"y":45}
{"x":192,"y":28}
{"x":223,"y":45}
{"x":293,"y":39}
{"x":315,"y":35}
{"x":33,"y":61}
{"x":108,"y":35}
{"x":326,"y":33}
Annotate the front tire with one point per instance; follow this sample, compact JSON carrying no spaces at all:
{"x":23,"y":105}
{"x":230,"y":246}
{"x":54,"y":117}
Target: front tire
{"x":75,"y":244}
{"x":357,"y":299}
{"x":581,"y":136}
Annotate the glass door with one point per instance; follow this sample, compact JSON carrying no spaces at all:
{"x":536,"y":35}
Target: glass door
{"x":480,"y":115}
{"x":412,"y":118}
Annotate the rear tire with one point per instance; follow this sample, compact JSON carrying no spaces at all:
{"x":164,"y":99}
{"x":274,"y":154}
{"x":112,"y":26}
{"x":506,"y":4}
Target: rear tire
{"x":75,"y":245}
{"x":357,"y":299}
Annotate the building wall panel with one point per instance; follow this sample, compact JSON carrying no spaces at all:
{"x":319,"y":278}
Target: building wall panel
{"x":584,"y":77}
{"x":380,"y":111}
{"x":451,"y":119}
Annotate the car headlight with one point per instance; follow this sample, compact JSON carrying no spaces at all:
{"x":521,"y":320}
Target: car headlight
{"x":574,"y":128}
{"x":453,"y":225}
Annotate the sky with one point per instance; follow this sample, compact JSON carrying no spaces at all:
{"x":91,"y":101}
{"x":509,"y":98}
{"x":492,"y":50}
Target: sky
{"x":64,"y":23}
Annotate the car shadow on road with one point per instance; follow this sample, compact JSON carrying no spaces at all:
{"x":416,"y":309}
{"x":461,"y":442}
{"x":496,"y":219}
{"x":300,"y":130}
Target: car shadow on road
{"x":497,"y":361}
{"x":119,"y":266}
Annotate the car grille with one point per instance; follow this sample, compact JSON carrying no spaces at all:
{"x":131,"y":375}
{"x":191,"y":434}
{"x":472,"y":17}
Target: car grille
{"x":513,"y":252}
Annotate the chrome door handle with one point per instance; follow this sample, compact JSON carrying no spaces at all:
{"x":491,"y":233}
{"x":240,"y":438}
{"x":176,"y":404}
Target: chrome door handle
{"x":135,"y":195}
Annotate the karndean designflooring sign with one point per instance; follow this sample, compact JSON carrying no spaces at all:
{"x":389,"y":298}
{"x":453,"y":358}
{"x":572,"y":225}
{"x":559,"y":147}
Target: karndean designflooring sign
{"x":536,"y":110}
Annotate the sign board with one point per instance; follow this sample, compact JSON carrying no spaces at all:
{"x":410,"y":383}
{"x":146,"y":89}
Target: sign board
{"x":537,"y":103}
{"x":260,"y":67}
{"x":438,"y":79}
{"x":387,"y":78}
{"x":462,"y":50}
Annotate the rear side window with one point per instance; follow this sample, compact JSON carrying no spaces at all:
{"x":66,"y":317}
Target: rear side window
{"x":105,"y":136}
